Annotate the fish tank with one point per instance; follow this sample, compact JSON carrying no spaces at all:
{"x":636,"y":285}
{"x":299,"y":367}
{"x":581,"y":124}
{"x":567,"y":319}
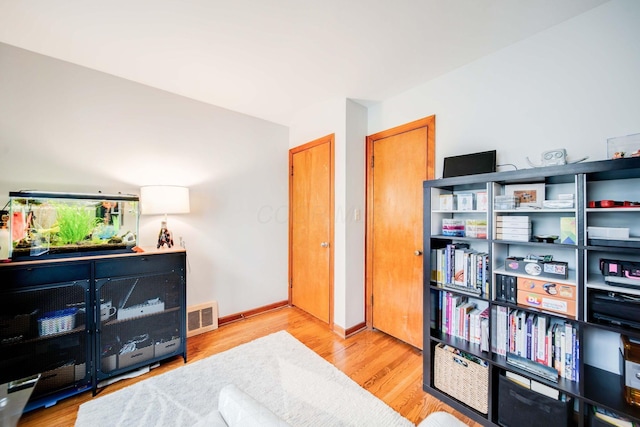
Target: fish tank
{"x":50,"y":224}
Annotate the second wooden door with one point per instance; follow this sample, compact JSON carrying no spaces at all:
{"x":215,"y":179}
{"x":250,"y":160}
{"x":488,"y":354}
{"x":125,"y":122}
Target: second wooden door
{"x":311,"y":228}
{"x":399,"y":163}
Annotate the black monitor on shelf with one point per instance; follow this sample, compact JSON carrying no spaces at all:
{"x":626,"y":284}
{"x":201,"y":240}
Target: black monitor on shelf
{"x":470,"y":164}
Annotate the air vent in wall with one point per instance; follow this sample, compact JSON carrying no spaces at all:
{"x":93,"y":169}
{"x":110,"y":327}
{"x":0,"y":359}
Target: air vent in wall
{"x":202,"y":318}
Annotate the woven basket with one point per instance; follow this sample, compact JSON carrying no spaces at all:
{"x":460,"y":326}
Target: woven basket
{"x":461,"y":378}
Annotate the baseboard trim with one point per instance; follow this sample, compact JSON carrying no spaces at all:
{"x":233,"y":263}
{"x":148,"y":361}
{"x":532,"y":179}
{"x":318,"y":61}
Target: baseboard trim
{"x":346,"y":333}
{"x":243,"y":315}
{"x":355,"y":329}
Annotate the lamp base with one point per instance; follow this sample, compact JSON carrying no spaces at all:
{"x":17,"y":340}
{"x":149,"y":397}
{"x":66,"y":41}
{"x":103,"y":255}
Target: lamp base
{"x":165,"y":236}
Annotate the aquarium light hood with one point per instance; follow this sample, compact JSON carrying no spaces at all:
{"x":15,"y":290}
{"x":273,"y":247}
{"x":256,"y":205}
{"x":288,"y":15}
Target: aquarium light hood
{"x":27,"y":194}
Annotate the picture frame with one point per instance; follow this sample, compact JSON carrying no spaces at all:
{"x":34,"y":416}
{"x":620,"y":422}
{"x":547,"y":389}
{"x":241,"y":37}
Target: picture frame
{"x":529,"y":195}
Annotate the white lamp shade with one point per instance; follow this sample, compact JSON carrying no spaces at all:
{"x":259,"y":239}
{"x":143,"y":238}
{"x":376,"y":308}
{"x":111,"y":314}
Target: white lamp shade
{"x":164,"y":199}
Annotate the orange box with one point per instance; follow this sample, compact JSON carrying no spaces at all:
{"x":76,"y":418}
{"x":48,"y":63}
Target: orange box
{"x":545,"y":287}
{"x":547,"y":303}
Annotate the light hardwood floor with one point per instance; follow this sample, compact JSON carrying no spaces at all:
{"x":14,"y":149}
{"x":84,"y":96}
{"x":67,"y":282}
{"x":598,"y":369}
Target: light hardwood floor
{"x":387,"y":367}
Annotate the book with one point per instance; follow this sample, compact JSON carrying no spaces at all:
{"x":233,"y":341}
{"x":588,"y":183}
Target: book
{"x":533,"y":367}
{"x":440,"y":266}
{"x":484,"y":329}
{"x":521,"y":334}
{"x":541,"y":347}
{"x":558,"y":356}
{"x":518,"y":379}
{"x":502,"y":326}
{"x":611,"y":417}
{"x":529,"y":336}
{"x":433,"y":265}
{"x":459,"y":266}
{"x":545,"y":390}
{"x":568,"y":350}
{"x":474,"y":326}
{"x":463,"y":319}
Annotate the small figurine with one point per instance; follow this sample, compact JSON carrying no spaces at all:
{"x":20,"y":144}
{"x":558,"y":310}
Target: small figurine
{"x":165,"y":236}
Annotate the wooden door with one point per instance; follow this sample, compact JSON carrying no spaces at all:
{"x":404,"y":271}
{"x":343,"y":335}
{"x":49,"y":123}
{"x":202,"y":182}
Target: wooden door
{"x":399,"y":161}
{"x":311,"y":228}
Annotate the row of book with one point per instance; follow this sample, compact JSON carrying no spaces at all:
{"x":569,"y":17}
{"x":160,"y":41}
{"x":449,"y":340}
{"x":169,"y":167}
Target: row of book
{"x":541,"y":339}
{"x":465,"y":318}
{"x":461,"y":268}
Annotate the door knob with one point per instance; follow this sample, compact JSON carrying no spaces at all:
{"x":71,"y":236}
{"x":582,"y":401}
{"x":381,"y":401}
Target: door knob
{"x":324,"y":244}
{"x":417,"y":253}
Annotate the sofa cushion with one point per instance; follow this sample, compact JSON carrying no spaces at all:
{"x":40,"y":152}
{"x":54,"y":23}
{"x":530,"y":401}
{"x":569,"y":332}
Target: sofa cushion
{"x":441,"y":419}
{"x":213,"y":419}
{"x":241,"y":410}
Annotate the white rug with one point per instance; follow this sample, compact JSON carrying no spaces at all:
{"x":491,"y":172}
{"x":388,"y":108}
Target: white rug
{"x":277,"y":370}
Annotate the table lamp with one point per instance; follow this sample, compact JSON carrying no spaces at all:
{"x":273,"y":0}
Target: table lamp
{"x":164,"y":200}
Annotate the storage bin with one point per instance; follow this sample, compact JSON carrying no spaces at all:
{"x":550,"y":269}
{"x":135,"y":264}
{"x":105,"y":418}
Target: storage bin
{"x":14,"y":326}
{"x":136,"y":356}
{"x":80,"y":371}
{"x":109,"y":363}
{"x":56,"y":378}
{"x":56,"y":322}
{"x":462,"y":377}
{"x":521,"y":407}
{"x":166,"y":347}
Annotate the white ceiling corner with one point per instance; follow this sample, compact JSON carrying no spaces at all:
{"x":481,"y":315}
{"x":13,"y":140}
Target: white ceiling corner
{"x":269,"y":59}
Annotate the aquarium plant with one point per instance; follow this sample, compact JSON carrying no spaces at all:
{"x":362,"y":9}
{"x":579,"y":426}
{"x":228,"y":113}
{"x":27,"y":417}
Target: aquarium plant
{"x":75,"y":222}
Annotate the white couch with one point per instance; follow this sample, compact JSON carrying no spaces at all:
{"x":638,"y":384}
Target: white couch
{"x":238,"y":409}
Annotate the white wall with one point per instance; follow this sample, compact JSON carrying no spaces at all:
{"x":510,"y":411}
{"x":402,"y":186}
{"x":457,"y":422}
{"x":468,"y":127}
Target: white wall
{"x":347,"y":120}
{"x":354,"y":217}
{"x":572,"y":86}
{"x":68,"y":128}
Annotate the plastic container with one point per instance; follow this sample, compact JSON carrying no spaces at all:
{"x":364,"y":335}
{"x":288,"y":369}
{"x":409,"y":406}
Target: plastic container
{"x":56,"y":322}
{"x":623,"y":146}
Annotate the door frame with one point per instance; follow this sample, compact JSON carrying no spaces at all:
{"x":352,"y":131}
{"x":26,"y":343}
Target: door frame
{"x":428,"y":122}
{"x":330,"y":139}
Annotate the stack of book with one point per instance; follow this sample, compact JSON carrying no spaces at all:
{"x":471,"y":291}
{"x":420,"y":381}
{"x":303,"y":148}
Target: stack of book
{"x":517,"y":228}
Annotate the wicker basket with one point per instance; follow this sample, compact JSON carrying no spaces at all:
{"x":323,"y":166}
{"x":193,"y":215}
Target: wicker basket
{"x":461,"y":378}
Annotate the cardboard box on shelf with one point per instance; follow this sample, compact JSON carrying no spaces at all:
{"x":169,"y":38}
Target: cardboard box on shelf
{"x":482,"y":201}
{"x":465,"y":201}
{"x":565,"y":291}
{"x":547,"y":303}
{"x":447,"y":202}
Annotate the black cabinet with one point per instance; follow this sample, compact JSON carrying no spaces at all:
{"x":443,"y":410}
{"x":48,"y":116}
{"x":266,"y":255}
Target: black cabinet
{"x":79,"y":321}
{"x":140,"y":307}
{"x":45,"y":319}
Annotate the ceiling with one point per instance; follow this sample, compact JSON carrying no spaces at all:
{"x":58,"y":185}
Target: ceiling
{"x":272,"y":58}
